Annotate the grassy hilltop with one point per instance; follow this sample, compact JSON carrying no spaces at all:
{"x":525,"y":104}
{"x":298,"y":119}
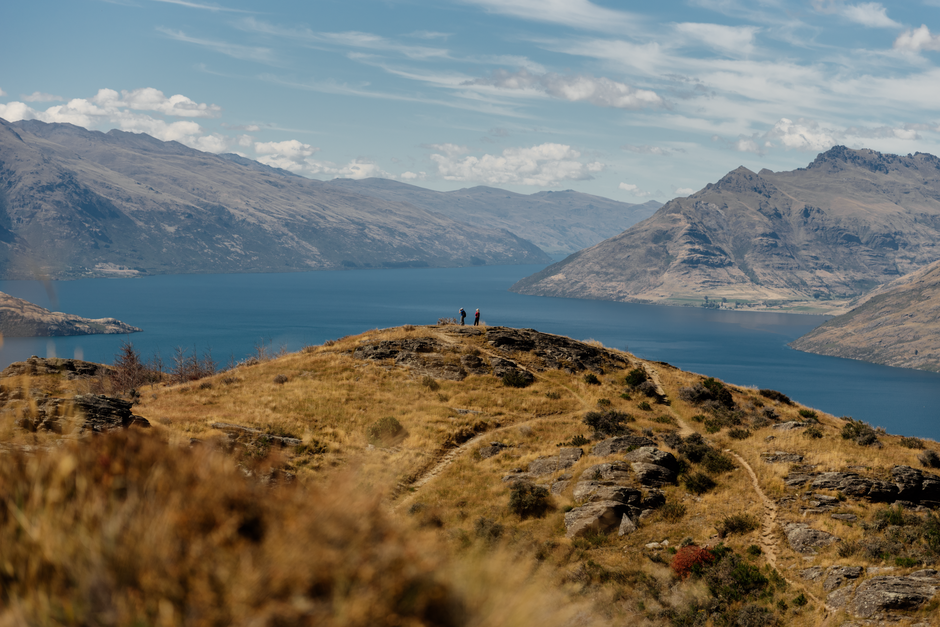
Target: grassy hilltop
{"x":445,"y":475}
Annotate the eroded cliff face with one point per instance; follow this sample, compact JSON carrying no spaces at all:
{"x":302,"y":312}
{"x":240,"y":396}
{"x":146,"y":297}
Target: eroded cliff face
{"x":21,"y":318}
{"x":851,"y":220}
{"x":77,"y":203}
{"x":897,"y":326}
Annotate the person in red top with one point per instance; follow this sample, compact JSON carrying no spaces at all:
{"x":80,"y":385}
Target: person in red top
{"x":476,"y":318}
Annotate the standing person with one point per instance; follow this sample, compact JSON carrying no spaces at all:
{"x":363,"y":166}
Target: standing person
{"x":463,"y":314}
{"x":476,"y":318}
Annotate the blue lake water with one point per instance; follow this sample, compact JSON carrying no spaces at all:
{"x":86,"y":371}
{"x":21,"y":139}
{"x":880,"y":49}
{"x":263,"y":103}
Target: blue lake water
{"x":233,"y":313}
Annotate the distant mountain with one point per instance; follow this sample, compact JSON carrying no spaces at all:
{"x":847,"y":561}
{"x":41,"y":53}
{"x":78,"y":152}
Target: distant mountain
{"x":21,"y":318}
{"x":77,"y":203}
{"x":560,"y":223}
{"x":898,"y":325}
{"x":851,"y":220}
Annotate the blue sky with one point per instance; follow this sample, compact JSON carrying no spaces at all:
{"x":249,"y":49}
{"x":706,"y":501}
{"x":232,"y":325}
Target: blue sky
{"x":629,"y":100}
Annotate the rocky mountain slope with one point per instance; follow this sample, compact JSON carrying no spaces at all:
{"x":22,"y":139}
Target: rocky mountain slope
{"x":850,"y":221}
{"x":21,"y":318}
{"x":896,"y":325}
{"x":560,"y":223}
{"x":456,"y":476}
{"x":76,"y":203}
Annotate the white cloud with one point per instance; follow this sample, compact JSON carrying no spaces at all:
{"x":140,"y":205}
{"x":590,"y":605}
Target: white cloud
{"x":647,"y":150}
{"x":917,"y":39}
{"x":2,"y":93}
{"x":734,"y":40}
{"x":290,"y":155}
{"x":451,"y":150}
{"x":601,"y":92}
{"x":801,"y":135}
{"x":413,"y":176}
{"x":355,"y":169}
{"x":206,"y":7}
{"x":38,"y":96}
{"x":236,"y":51}
{"x":747,"y":145}
{"x":870,"y":14}
{"x":573,"y":13}
{"x":634,"y":190}
{"x":544,"y":165}
{"x":683,"y":191}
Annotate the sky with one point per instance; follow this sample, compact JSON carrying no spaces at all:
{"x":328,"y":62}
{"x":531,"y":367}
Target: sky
{"x":628,"y":100}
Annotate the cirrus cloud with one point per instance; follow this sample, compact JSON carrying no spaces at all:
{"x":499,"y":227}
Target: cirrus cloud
{"x":544,"y":165}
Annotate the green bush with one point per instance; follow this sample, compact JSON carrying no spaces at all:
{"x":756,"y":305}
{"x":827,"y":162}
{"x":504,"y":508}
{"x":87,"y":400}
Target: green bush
{"x":603,"y":402}
{"x":553,"y":395}
{"x":861,"y":432}
{"x":672,"y":511}
{"x":800,"y":600}
{"x":609,"y":422}
{"x":731,"y":579}
{"x":384,"y":431}
{"x":527,"y":500}
{"x":699,"y":418}
{"x":645,"y":406}
{"x":739,"y":434}
{"x":699,"y":483}
{"x":635,"y":377}
{"x":716,"y":462}
{"x":754,"y":550}
{"x":807,"y":413}
{"x":666,"y":420}
{"x":736,"y":523}
{"x":915,"y":443}
{"x":813,"y":432}
{"x":774,"y":395}
{"x":591,"y":379}
{"x":712,"y":425}
{"x":578,"y":440}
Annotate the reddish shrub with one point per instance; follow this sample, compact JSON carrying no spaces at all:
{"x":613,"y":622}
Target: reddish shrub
{"x":688,"y":557}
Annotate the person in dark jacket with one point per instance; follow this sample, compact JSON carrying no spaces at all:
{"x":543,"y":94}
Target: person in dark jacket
{"x":476,"y":318}
{"x":463,"y":314}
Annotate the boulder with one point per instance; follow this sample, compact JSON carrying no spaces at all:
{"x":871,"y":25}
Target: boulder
{"x":654,"y":499}
{"x":494,"y":448}
{"x":71,"y":368}
{"x":805,"y":539}
{"x":611,"y":471}
{"x":852,"y":484}
{"x":103,"y":413}
{"x":652,"y":455}
{"x":596,"y":491}
{"x":838,"y":575}
{"x":878,"y":595}
{"x":560,"y":484}
{"x":778,"y":457}
{"x":596,"y":517}
{"x":798,"y":479}
{"x":915,"y":485}
{"x":627,"y":526}
{"x":792,"y":424}
{"x":474,"y":365}
{"x":653,"y":475}
{"x":620,"y":443}
{"x":566,"y":458}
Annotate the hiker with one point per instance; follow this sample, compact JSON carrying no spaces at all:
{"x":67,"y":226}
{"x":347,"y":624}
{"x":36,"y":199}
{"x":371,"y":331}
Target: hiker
{"x":463,"y":314}
{"x":476,"y":318}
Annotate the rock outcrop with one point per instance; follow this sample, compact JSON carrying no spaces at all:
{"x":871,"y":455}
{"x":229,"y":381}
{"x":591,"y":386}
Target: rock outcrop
{"x":906,"y":485}
{"x":70,"y":368}
{"x":878,"y":597}
{"x":20,"y":318}
{"x":805,"y":539}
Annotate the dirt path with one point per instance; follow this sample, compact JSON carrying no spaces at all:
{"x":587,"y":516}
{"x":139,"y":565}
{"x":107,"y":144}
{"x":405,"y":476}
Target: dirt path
{"x":653,"y":372}
{"x":768,"y":538}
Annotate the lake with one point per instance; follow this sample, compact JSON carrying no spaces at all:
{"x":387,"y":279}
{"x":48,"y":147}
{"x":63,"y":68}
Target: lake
{"x":233,"y":314}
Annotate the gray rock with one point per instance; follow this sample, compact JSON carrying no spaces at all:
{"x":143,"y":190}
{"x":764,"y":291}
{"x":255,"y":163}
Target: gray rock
{"x":915,"y":485}
{"x":71,"y":368}
{"x":611,"y":471}
{"x":804,"y":539}
{"x":566,"y":458}
{"x":627,"y":526}
{"x":878,"y":595}
{"x":503,"y":367}
{"x":844,"y":517}
{"x":654,"y":499}
{"x":619,"y":444}
{"x":652,"y":455}
{"x":103,"y":413}
{"x":596,"y":517}
{"x":560,"y":485}
{"x":653,"y":475}
{"x":249,"y":435}
{"x":838,"y":575}
{"x":792,"y":424}
{"x":646,"y":514}
{"x":494,"y":448}
{"x":474,"y":365}
{"x":797,"y":479}
{"x":556,"y":352}
{"x":390,"y":349}
{"x":777,"y":457}
{"x":596,"y":491}
{"x":812,"y":573}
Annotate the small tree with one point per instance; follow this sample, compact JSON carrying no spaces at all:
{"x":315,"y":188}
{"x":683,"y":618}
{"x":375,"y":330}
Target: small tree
{"x":129,"y":372}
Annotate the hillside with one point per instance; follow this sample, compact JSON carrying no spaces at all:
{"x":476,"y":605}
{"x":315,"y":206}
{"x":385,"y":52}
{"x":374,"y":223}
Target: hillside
{"x":560,"y":223}
{"x":897,"y":325}
{"x":817,"y":237}
{"x":446,"y":475}
{"x":77,"y":203}
{"x":21,"y":318}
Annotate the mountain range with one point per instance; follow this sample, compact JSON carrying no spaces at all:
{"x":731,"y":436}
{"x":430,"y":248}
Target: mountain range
{"x":827,"y":233}
{"x":76,"y":203}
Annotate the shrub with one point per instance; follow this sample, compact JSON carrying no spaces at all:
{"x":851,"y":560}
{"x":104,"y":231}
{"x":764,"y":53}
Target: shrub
{"x":694,"y":448}
{"x":428,"y":382}
{"x":716,"y":462}
{"x":774,"y":395}
{"x":553,"y":395}
{"x":672,"y":440}
{"x":906,"y":562}
{"x":753,"y":615}
{"x":929,"y":459}
{"x":807,"y":413}
{"x":517,"y":379}
{"x":736,"y":523}
{"x":739,"y":434}
{"x":609,"y":422}
{"x":384,"y":431}
{"x":912,"y":443}
{"x":690,"y":558}
{"x":732,"y":579}
{"x":578,"y":440}
{"x":672,"y":511}
{"x":861,"y":432}
{"x":754,"y":550}
{"x":648,"y":389}
{"x":625,"y":396}
{"x":800,"y":600}
{"x":645,"y":406}
{"x":603,"y":402}
{"x":446,"y":321}
{"x":712,"y":425}
{"x":527,"y":500}
{"x":635,"y":377}
{"x":699,"y":483}
{"x":280,"y":379}
{"x":813,"y":433}
{"x":696,"y":394}
{"x":665,"y":420}
{"x":892,"y":516}
{"x":487,"y":530}
{"x":591,"y":379}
